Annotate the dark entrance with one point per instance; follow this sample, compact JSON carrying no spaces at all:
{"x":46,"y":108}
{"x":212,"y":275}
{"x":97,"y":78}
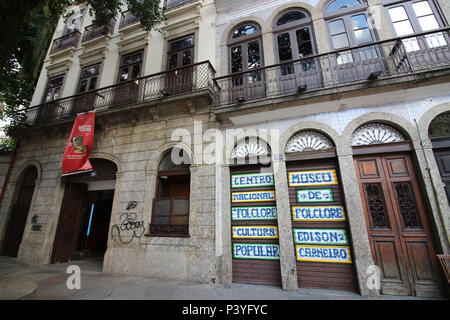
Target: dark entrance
{"x":439,"y":133}
{"x":19,"y":214}
{"x":399,"y":232}
{"x":85,"y":213}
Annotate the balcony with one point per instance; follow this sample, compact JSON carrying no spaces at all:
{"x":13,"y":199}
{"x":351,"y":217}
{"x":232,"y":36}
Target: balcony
{"x":69,"y":40}
{"x":127,"y":19}
{"x":173,"y":84}
{"x":92,"y":32}
{"x":341,"y":70}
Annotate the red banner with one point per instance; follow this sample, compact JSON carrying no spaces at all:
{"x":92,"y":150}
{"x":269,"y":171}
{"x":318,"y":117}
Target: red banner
{"x":79,"y":146}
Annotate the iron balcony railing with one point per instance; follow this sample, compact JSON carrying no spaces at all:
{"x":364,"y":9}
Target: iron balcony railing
{"x":169,"y":4}
{"x":188,"y":79}
{"x":377,"y":60}
{"x":66,"y":41}
{"x":126,"y":19}
{"x":93,"y":31}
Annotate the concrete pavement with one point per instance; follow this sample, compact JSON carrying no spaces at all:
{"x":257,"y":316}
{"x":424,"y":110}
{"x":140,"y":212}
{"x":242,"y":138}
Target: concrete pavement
{"x":48,"y":282}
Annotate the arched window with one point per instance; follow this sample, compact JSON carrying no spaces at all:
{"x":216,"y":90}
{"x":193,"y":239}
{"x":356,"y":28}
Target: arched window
{"x":348,"y":26}
{"x":308,"y":141}
{"x":294,"y":38}
{"x":245,"y":54}
{"x":376,"y":133}
{"x":171,"y":203}
{"x":440,"y":126}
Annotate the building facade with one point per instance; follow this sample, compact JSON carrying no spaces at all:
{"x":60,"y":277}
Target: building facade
{"x":289,"y":143}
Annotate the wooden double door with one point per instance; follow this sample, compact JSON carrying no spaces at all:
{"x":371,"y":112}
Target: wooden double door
{"x":398,"y":229}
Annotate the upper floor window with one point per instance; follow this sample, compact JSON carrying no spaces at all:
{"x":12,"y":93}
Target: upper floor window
{"x":245,"y":49}
{"x":349,"y":27}
{"x":181,"y":52}
{"x":131,"y":66}
{"x":74,"y":22}
{"x":175,"y":3}
{"x":89,"y":78}
{"x":54,"y":88}
{"x":415,"y":17}
{"x":294,"y":38}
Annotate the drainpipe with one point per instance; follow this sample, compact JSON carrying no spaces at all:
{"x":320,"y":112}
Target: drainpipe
{"x":11,"y":161}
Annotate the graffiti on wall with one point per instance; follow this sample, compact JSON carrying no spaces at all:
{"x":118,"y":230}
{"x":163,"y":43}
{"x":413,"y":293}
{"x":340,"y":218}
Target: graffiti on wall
{"x":129,"y":227}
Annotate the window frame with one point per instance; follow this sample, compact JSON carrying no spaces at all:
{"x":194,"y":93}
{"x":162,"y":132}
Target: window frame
{"x":81,"y":78}
{"x":291,"y":28}
{"x":182,"y":171}
{"x":130,"y":66}
{"x":412,"y":17}
{"x":244,"y":41}
{"x":47,"y":87}
{"x":179,"y":51}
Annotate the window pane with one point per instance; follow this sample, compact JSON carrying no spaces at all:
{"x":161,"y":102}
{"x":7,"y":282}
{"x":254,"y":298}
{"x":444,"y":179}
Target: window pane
{"x":291,"y":16}
{"x":244,"y":30}
{"x":161,"y":220}
{"x":124,"y":74}
{"x":162,"y":207}
{"x":342,"y":4}
{"x":187,"y":57}
{"x":363,"y":36}
{"x":422,"y":8}
{"x":83,"y":86}
{"x":340,"y":41}
{"x":304,"y":42}
{"x":90,"y":71}
{"x":236,"y":59}
{"x":132,"y":58}
{"x":254,"y":59}
{"x":368,"y":53}
{"x":136,"y":71}
{"x":398,"y":14}
{"x":403,"y":28}
{"x":180,"y":207}
{"x":93,"y":83}
{"x":428,"y":23}
{"x":48,"y":96}
{"x":345,"y":57}
{"x":411,"y":44}
{"x":284,"y":47}
{"x":436,"y":40}
{"x":173,"y":61}
{"x":181,"y":220}
{"x":56,"y":93}
{"x":56,"y":82}
{"x":181,"y":44}
{"x":337,"y":27}
{"x":359,"y":22}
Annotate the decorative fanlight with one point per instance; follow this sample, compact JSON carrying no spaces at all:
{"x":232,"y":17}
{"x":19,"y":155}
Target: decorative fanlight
{"x":376,"y":133}
{"x":308,"y":141}
{"x":250,"y":147}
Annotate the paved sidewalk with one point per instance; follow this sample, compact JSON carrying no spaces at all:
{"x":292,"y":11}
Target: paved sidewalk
{"x":18,"y":281}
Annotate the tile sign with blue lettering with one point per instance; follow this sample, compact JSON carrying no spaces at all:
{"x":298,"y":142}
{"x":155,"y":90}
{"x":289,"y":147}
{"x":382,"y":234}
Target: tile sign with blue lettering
{"x":335,"y":254}
{"x":256,"y":251}
{"x":324,"y":213}
{"x":254,"y":213}
{"x":316,"y":195}
{"x":250,"y":180}
{"x":312,"y":178}
{"x":253,"y":196}
{"x":320,"y":236}
{"x":255,"y":232}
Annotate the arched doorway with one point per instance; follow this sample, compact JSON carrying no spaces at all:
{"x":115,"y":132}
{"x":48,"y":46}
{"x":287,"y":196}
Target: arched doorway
{"x":323,"y":246}
{"x":254,"y":220}
{"x":439,"y":134}
{"x":19,"y":214}
{"x":85,"y":213}
{"x":395,"y":211}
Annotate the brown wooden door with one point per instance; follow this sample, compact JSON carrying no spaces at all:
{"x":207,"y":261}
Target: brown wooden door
{"x":443,"y":161}
{"x":18,"y":220}
{"x":397,"y":225}
{"x":73,"y":206}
